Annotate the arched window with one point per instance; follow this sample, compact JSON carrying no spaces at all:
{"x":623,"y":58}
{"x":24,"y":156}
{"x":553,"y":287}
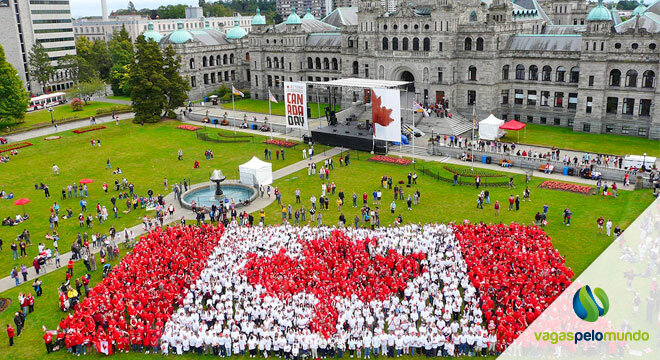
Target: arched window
{"x":404,"y":45}
{"x":224,"y":59}
{"x":335,"y":65}
{"x":231,"y":58}
{"x":326,"y":64}
{"x":473,"y":16}
{"x":282,"y":62}
{"x":385,"y":44}
{"x":533,"y":73}
{"x":218,"y":60}
{"x":480,"y":44}
{"x":472,"y":73}
{"x":468,"y":44}
{"x":192,"y":63}
{"x":615,"y":77}
{"x":277,"y":62}
{"x":317,"y":61}
{"x":648,"y":79}
{"x":395,"y":44}
{"x":211,"y":60}
{"x":350,"y":42}
{"x":631,"y":78}
{"x":205,"y":61}
{"x":427,"y":44}
{"x":356,"y":67}
{"x":415,"y":44}
{"x":505,"y":72}
{"x":561,"y":74}
{"x":547,"y":73}
{"x":310,"y":63}
{"x":575,"y":75}
{"x":269,"y":63}
{"x":520,"y":72}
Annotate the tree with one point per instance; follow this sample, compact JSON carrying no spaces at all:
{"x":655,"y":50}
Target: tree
{"x":91,"y":87}
{"x":147,"y":82}
{"x":171,"y":12}
{"x":96,"y":54}
{"x":77,"y":68}
{"x":13,"y":96}
{"x":40,"y":67}
{"x":131,"y":7}
{"x":177,"y":87}
{"x":121,"y":54}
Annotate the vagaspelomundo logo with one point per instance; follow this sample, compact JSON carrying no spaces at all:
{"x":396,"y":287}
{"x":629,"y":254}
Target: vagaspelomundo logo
{"x":589,"y":306}
{"x":585,"y":305}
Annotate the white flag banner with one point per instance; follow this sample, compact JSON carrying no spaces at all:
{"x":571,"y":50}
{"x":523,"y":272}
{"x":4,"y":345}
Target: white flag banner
{"x":295,"y":101}
{"x":386,"y":114}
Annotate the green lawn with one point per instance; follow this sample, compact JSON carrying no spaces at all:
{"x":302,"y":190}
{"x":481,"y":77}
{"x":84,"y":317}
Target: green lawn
{"x":261,"y":106}
{"x":119,"y":97}
{"x":63,"y":112}
{"x":566,"y":138}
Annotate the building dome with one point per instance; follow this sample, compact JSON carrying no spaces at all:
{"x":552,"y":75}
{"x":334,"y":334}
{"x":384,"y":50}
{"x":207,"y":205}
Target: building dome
{"x":639,"y":10}
{"x":236,"y":32}
{"x":293,"y":19}
{"x":258,"y":19}
{"x":152,"y":34}
{"x":309,"y":15}
{"x":180,"y":36}
{"x":599,"y":13}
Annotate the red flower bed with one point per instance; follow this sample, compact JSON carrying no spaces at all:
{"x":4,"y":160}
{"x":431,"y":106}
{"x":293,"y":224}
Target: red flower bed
{"x":556,"y":185}
{"x":189,"y":127}
{"x":14,"y":146}
{"x":282,"y":143}
{"x":390,"y":160}
{"x":517,"y":272}
{"x":88,"y":129}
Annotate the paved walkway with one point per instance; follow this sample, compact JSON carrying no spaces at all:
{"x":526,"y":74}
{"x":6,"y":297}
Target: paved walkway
{"x":260,"y":203}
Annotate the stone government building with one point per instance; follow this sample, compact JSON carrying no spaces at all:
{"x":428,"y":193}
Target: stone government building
{"x":566,"y":63}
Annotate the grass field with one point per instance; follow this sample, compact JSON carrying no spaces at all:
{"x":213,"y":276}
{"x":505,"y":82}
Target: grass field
{"x":119,"y":97}
{"x":566,"y":138}
{"x":148,"y":154}
{"x":261,"y":106}
{"x":63,"y":112}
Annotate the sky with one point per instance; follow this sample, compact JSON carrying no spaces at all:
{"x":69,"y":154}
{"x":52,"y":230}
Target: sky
{"x":93,"y":7}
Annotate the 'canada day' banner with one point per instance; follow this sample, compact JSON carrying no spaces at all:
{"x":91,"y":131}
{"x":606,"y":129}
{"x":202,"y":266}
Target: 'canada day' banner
{"x":295,"y":100}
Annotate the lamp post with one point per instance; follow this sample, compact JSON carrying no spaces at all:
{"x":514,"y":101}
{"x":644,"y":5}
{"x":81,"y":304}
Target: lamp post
{"x":644,"y":163}
{"x":52,"y":120}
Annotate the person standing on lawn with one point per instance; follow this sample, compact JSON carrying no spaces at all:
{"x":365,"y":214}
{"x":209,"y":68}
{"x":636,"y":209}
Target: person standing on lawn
{"x":517,"y":202}
{"x":511,"y":201}
{"x":10,"y":334}
{"x":600,"y":223}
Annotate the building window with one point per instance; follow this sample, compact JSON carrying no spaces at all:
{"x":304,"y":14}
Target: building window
{"x":404,"y":44}
{"x":586,"y":127}
{"x":648,"y":79}
{"x":385,"y":44}
{"x":557,"y":121}
{"x":206,"y":79}
{"x":518,"y":97}
{"x":366,"y":71}
{"x":609,"y":129}
{"x":591,"y":80}
{"x":356,"y":68}
{"x":326,"y":64}
{"x":543,"y":121}
{"x":193,"y":81}
{"x":270,"y":80}
{"x":572,"y":100}
{"x":559,"y":99}
{"x":531,"y":97}
{"x":625,"y":130}
{"x":628,"y":105}
{"x":590,"y":104}
{"x":631,"y":78}
{"x":212,"y":78}
{"x":533,"y":73}
{"x":545,"y":98}
{"x":440,"y":46}
{"x":561,"y":74}
{"x":643,"y":132}
{"x":505,"y":72}
{"x":366,"y":45}
{"x":505,"y":97}
{"x":350,"y":42}
{"x":439,"y":75}
{"x":615,"y":77}
{"x":471,"y":97}
{"x":570,"y":122}
{"x":520,"y":72}
{"x":530,"y":119}
{"x":635,"y":46}
{"x":395,"y":44}
{"x":645,"y":107}
{"x":575,"y":75}
{"x":480,"y":44}
{"x":516,"y":117}
{"x":427,"y":44}
{"x":612,"y":105}
{"x":472,"y":73}
{"x":468,"y":44}
{"x":547,"y":73}
{"x":192,"y":63}
{"x":415,"y":45}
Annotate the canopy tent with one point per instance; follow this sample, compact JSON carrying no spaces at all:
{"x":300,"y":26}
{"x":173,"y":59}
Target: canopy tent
{"x":256,"y":172}
{"x":514,"y":126}
{"x":489,"y":128}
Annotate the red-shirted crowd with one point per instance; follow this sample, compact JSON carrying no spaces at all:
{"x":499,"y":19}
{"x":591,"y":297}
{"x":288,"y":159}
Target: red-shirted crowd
{"x":517,"y":272}
{"x":129,"y":307}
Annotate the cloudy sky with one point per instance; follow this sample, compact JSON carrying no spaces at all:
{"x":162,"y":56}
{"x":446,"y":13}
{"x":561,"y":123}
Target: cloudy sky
{"x":93,"y":7}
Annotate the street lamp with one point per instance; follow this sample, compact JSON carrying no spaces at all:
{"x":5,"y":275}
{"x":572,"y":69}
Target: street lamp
{"x":52,"y":120}
{"x":644,"y":163}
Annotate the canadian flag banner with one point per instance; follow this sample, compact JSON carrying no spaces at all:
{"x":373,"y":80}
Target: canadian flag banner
{"x":386,"y":114}
{"x":103,"y":347}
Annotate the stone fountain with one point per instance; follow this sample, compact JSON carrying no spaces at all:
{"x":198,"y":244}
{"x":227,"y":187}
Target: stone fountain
{"x":217,"y":177}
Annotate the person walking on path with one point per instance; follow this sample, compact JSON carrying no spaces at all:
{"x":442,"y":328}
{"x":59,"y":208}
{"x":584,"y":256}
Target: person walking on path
{"x":14,"y":275}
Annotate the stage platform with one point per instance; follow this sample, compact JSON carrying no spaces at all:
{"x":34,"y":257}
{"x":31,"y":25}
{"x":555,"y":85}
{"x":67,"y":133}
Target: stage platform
{"x":348,"y":136}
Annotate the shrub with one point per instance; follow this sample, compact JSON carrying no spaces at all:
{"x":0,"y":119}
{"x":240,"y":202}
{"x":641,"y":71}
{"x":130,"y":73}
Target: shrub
{"x":77,"y":104}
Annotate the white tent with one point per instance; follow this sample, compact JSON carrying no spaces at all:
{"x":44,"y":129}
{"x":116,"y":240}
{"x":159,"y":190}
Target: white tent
{"x":256,"y":172}
{"x":489,"y":128}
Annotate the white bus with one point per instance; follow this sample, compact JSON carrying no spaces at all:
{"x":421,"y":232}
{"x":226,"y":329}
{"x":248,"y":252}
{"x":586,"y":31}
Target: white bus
{"x":47,"y":100}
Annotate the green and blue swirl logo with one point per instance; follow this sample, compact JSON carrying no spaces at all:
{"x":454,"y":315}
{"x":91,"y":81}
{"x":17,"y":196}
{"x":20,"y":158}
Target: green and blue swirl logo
{"x":585,"y":305}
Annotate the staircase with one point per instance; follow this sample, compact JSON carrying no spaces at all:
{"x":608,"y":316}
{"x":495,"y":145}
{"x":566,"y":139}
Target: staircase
{"x":456,"y":125}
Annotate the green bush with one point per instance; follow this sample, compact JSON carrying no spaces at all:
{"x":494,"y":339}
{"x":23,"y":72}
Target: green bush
{"x":77,"y":104}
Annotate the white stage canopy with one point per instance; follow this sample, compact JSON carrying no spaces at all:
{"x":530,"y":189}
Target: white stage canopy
{"x":256,"y":172}
{"x":489,"y":128}
{"x":360,"y":83}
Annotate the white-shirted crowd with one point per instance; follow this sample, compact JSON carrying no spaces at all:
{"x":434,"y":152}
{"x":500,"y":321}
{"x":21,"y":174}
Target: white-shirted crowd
{"x":438,"y":313}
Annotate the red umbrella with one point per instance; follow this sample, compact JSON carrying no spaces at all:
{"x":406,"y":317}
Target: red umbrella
{"x":86,"y":181}
{"x":22,"y":202}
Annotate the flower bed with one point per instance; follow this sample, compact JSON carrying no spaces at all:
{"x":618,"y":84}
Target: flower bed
{"x":556,"y":185}
{"x":4,"y":304}
{"x":14,"y":146}
{"x":469,"y":173}
{"x":88,"y":129}
{"x":189,"y":127}
{"x":390,"y":160}
{"x":54,"y":137}
{"x":282,"y":143}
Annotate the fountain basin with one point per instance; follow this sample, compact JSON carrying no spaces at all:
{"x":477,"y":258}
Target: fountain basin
{"x":204,"y":194}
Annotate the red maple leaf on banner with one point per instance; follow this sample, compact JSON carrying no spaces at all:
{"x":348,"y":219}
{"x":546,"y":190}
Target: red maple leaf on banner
{"x":380,"y":114}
